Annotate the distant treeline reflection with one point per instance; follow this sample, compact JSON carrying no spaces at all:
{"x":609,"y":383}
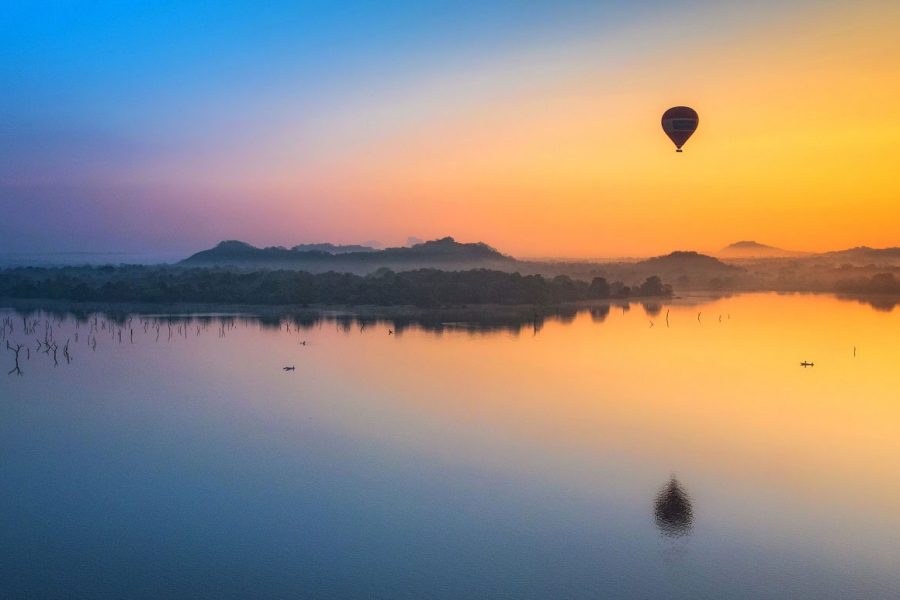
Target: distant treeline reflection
{"x":512,"y":319}
{"x":59,"y":334}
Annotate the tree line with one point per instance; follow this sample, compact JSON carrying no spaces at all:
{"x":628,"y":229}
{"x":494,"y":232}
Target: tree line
{"x":882,"y":283}
{"x":421,"y":288}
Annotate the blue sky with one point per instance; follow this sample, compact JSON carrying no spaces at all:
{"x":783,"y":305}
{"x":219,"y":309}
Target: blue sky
{"x":95,"y":90}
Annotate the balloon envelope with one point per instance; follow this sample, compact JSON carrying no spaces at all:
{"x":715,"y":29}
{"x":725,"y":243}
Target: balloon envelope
{"x":679,"y":123}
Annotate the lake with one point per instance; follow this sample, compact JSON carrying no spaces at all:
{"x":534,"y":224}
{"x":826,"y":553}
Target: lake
{"x":676,"y":450}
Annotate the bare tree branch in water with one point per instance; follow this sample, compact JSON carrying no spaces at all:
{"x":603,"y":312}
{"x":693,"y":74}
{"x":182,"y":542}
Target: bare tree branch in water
{"x":16,"y":369}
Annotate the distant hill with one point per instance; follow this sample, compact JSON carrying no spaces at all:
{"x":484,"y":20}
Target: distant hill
{"x":751,"y":249}
{"x":445,"y":253}
{"x":683,"y":261}
{"x":449,"y":255}
{"x":865,"y":253}
{"x":755,"y":266}
{"x":447,"y":249}
{"x":332,"y":248}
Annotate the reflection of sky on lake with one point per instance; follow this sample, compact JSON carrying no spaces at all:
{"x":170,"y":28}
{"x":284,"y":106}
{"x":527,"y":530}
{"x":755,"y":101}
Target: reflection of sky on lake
{"x":457,"y":465}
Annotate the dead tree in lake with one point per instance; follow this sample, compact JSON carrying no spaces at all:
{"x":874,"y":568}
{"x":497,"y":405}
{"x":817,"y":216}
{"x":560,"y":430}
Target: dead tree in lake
{"x":16,"y":369}
{"x":47,"y":344}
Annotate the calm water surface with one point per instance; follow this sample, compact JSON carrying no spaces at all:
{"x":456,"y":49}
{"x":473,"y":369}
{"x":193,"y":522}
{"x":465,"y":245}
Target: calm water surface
{"x":589,"y":457}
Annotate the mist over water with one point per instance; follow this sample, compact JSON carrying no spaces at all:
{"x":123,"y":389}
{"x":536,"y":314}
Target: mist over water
{"x":632,"y":451}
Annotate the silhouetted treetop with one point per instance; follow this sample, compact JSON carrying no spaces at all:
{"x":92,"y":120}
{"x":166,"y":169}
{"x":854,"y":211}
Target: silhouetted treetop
{"x":422,"y":287}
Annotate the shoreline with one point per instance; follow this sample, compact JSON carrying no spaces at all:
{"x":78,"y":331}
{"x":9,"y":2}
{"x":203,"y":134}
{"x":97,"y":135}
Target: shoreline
{"x":397,"y":311}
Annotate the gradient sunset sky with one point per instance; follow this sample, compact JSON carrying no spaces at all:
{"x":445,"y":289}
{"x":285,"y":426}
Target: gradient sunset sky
{"x":531,"y":125}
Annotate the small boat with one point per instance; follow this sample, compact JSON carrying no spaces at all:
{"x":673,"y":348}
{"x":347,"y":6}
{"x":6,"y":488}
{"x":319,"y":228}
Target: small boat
{"x":807,"y":364}
{"x":289,"y":368}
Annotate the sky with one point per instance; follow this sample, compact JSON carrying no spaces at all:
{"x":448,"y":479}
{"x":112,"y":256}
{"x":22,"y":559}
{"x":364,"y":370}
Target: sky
{"x":533,"y":126}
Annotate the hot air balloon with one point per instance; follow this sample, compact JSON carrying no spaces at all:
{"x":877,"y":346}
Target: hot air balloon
{"x":679,"y":123}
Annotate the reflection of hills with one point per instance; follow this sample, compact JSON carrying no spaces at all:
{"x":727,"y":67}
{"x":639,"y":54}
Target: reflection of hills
{"x":673,"y":511}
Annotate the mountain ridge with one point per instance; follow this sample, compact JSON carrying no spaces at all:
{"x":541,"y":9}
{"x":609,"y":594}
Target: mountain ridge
{"x":754,"y":249}
{"x":445,"y":252}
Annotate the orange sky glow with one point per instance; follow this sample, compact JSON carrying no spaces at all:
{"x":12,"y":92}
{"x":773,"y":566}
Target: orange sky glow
{"x":798,"y":146}
{"x":553,"y":148}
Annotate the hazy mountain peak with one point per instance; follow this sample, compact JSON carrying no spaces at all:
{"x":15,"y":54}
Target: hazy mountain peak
{"x":686,"y":259}
{"x":232,"y":245}
{"x":445,"y":252}
{"x":754,"y":249}
{"x":866,"y":252}
{"x":748,"y":244}
{"x":447,"y":245}
{"x":330,"y":248}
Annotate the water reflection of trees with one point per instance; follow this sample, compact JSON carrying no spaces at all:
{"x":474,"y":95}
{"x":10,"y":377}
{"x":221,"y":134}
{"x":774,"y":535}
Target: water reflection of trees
{"x":599,"y":313}
{"x":60,"y":331}
{"x":881,"y":303}
{"x":652,"y":309}
{"x":673,"y":511}
{"x":475,"y":320}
